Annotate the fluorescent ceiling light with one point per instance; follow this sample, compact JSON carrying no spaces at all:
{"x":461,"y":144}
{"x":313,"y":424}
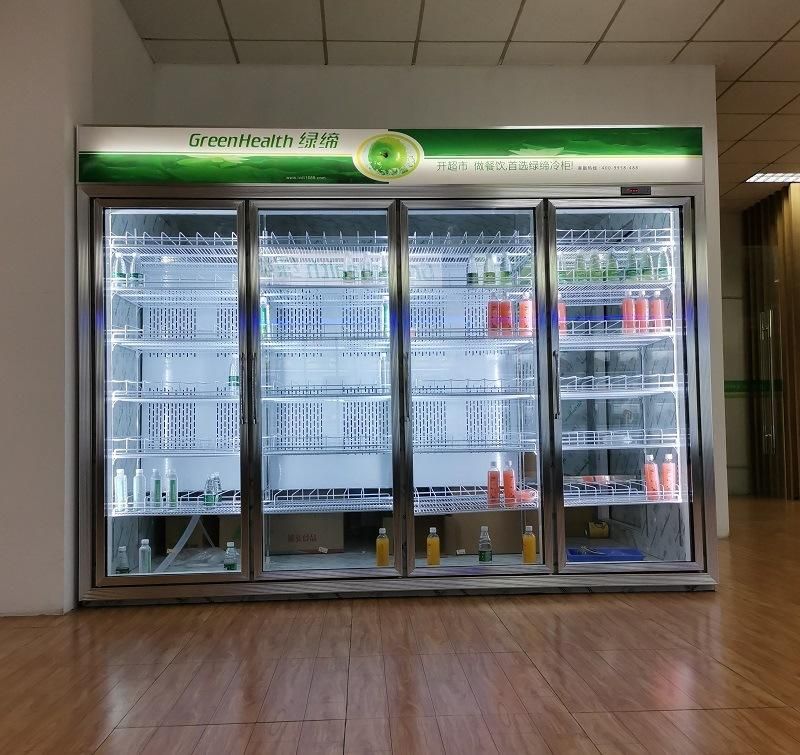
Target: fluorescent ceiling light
{"x":774,"y":178}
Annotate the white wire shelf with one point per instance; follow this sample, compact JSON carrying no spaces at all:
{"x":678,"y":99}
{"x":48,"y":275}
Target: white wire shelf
{"x":616,"y":493}
{"x":138,"y":339}
{"x":576,"y":388}
{"x":607,"y":293}
{"x":189,"y":504}
{"x":180,"y":250}
{"x":326,"y":444}
{"x":604,"y":239}
{"x":177,"y":295}
{"x":134,"y":448}
{"x":169,"y":392}
{"x":463,"y":499}
{"x":608,"y":335}
{"x":586,"y":440}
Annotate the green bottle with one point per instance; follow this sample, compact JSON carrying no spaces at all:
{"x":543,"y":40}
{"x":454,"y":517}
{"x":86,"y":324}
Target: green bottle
{"x":631,"y":267}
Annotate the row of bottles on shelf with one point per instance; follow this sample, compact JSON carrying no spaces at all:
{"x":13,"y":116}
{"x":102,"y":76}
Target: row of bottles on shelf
{"x":511,"y":494}
{"x":157,"y":493}
{"x":659,"y":480}
{"x":646,"y":265}
{"x":489,"y":271}
{"x":127,"y":275}
{"x":640,"y":313}
{"x":502,"y":319}
{"x":230,"y":560}
{"x":433,"y":551}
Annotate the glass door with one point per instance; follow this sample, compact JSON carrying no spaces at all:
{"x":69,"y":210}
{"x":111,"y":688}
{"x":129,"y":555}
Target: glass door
{"x":326,"y":291}
{"x":623,"y":392}
{"x":471,"y":353}
{"x":173,"y":369}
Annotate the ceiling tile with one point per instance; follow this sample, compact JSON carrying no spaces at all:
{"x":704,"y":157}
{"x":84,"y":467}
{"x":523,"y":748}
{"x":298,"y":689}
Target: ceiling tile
{"x":372,"y":20}
{"x":744,"y":195}
{"x":469,"y":20}
{"x":722,"y":146}
{"x":274,"y":19}
{"x":748,"y":20}
{"x":370,"y":53}
{"x":722,"y":86}
{"x":738,"y":171}
{"x":789,"y":163}
{"x":747,"y":151}
{"x":793,"y":107}
{"x":635,"y":53}
{"x":656,"y":20}
{"x":286,"y":53}
{"x":189,"y":51}
{"x":733,"y":127}
{"x":762,"y":97}
{"x":459,"y":53}
{"x":794,"y":34}
{"x":778,"y":127}
{"x":547,"y":53}
{"x":176,"y":19}
{"x":781,"y":63}
{"x":563,"y":20}
{"x":731,"y":58}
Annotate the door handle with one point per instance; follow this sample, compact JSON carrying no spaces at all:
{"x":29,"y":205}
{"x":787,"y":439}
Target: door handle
{"x":556,"y":384}
{"x":251,"y":379}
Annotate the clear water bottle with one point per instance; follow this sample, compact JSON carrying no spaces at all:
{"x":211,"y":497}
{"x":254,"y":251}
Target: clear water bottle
{"x":490,"y":271}
{"x":597,"y":271}
{"x":155,"y":488}
{"x":231,"y":557}
{"x":367,"y":268}
{"x":119,"y":272}
{"x":632,"y":266}
{"x":505,"y":268}
{"x":581,"y":268}
{"x":613,"y":272}
{"x":209,"y":494}
{"x":145,"y":557}
{"x":484,"y":546}
{"x":233,"y":375}
{"x":135,"y":273}
{"x":648,"y":265}
{"x":473,"y":271}
{"x":217,"y":488}
{"x":664,"y":266}
{"x":172,"y":488}
{"x":123,"y":565}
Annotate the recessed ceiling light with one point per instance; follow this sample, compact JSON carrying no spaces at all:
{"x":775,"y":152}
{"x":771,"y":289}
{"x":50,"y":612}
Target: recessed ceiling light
{"x":774,"y":178}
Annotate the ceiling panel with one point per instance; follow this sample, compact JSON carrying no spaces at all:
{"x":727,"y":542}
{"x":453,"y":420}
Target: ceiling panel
{"x":722,"y":86}
{"x":764,"y":97}
{"x":756,"y":151}
{"x":779,"y":128}
{"x":657,"y":20}
{"x":459,"y":53}
{"x":370,"y":53}
{"x":274,"y":19}
{"x":547,"y":53}
{"x":738,"y":171}
{"x":375,"y":20}
{"x":176,"y":19}
{"x":468,"y":20}
{"x":731,"y":127}
{"x":781,"y":63}
{"x":723,"y":145}
{"x":189,"y":51}
{"x":732,"y":59}
{"x":793,"y":107}
{"x":751,"y":19}
{"x":635,"y":53}
{"x":563,"y":20}
{"x":281,"y":53}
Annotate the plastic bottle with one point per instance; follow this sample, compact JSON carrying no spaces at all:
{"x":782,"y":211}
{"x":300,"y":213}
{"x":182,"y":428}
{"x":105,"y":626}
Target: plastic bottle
{"x":121,"y":487}
{"x":505,"y":269}
{"x":658,"y":318}
{"x":493,"y":485}
{"x":172,"y":488}
{"x":490,"y":271}
{"x":562,"y":316}
{"x":473,"y":271}
{"x":233,"y":375}
{"x":484,"y":546}
{"x":493,"y":317}
{"x":629,"y":313}
{"x":506,"y":317}
{"x":122,"y":566}
{"x":135,"y":274}
{"x":349,"y":268}
{"x":597,"y":272}
{"x":382,"y":548}
{"x":509,"y":484}
{"x":651,"y":486}
{"x":642,"y":313}
{"x":231,"y":558}
{"x":145,"y":557}
{"x":648,"y":266}
{"x":155,"y":489}
{"x":613,"y":271}
{"x":264,"y":310}
{"x":139,"y":488}
{"x":632,"y":267}
{"x":668,"y":477}
{"x":525,"y":315}
{"x":119,"y":272}
{"x":210,"y":493}
{"x":664,"y":266}
{"x":528,"y":545}
{"x":432,"y":548}
{"x":385,"y":318}
{"x":581,"y":268}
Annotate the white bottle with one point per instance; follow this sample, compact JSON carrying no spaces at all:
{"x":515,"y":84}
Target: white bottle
{"x":233,"y":375}
{"x":231,"y":557}
{"x":145,"y":557}
{"x":123,"y":565}
{"x":135,"y":274}
{"x":155,"y":490}
{"x":119,"y":272}
{"x":172,"y":488}
{"x":121,"y":487}
{"x":139,"y":488}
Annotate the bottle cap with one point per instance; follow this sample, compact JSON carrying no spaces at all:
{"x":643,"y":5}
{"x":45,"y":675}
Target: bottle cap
{"x":145,"y":542}
{"x":120,"y":471}
{"x":123,"y":548}
{"x":230,"y":544}
{"x":528,"y":528}
{"x":649,"y":457}
{"x":668,"y":457}
{"x":509,"y":465}
{"x":432,"y":530}
{"x":484,"y":528}
{"x":139,"y":471}
{"x":493,"y":465}
{"x":382,"y":531}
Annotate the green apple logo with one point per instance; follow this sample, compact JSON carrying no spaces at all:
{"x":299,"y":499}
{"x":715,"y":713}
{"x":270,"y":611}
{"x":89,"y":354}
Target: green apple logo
{"x":388,"y":156}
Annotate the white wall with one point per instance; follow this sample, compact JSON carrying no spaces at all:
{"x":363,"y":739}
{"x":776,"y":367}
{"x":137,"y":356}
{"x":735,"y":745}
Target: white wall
{"x":388,"y":97}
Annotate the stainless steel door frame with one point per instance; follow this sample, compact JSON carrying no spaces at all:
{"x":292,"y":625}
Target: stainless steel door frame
{"x":698,"y":389}
{"x":98,"y":391}
{"x":254,"y":208}
{"x":536,"y":206}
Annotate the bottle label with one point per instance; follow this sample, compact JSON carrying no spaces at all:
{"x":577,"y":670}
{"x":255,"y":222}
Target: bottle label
{"x":484,"y":556}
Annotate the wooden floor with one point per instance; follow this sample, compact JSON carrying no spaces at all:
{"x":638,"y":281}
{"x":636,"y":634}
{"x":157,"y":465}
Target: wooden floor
{"x":641,"y":673}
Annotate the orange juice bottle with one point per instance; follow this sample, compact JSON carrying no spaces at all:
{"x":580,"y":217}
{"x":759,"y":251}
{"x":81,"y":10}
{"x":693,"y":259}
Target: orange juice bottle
{"x":509,"y":484}
{"x":657,"y":312}
{"x":493,"y":485}
{"x":651,"y":486}
{"x":382,"y":548}
{"x":642,"y":313}
{"x":668,"y":479}
{"x":506,"y":317}
{"x":629,"y":313}
{"x":432,"y":548}
{"x":528,"y":545}
{"x":493,"y":317}
{"x":525,"y":315}
{"x":562,"y":316}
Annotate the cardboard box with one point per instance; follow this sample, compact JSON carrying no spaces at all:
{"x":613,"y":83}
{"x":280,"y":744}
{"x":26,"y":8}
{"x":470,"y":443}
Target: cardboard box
{"x":305,"y":533}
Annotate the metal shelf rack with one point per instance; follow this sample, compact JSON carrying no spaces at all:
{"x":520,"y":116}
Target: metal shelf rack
{"x":607,"y":293}
{"x":587,"y":440}
{"x":608,"y":335}
{"x":173,"y":251}
{"x":615,"y":493}
{"x":136,"y":447}
{"x":591,"y":387}
{"x":511,"y":442}
{"x":133,"y":391}
{"x":137,"y":339}
{"x":189,"y":504}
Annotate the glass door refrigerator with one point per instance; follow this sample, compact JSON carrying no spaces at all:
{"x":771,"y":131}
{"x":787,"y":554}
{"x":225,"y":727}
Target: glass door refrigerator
{"x":627,"y":451}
